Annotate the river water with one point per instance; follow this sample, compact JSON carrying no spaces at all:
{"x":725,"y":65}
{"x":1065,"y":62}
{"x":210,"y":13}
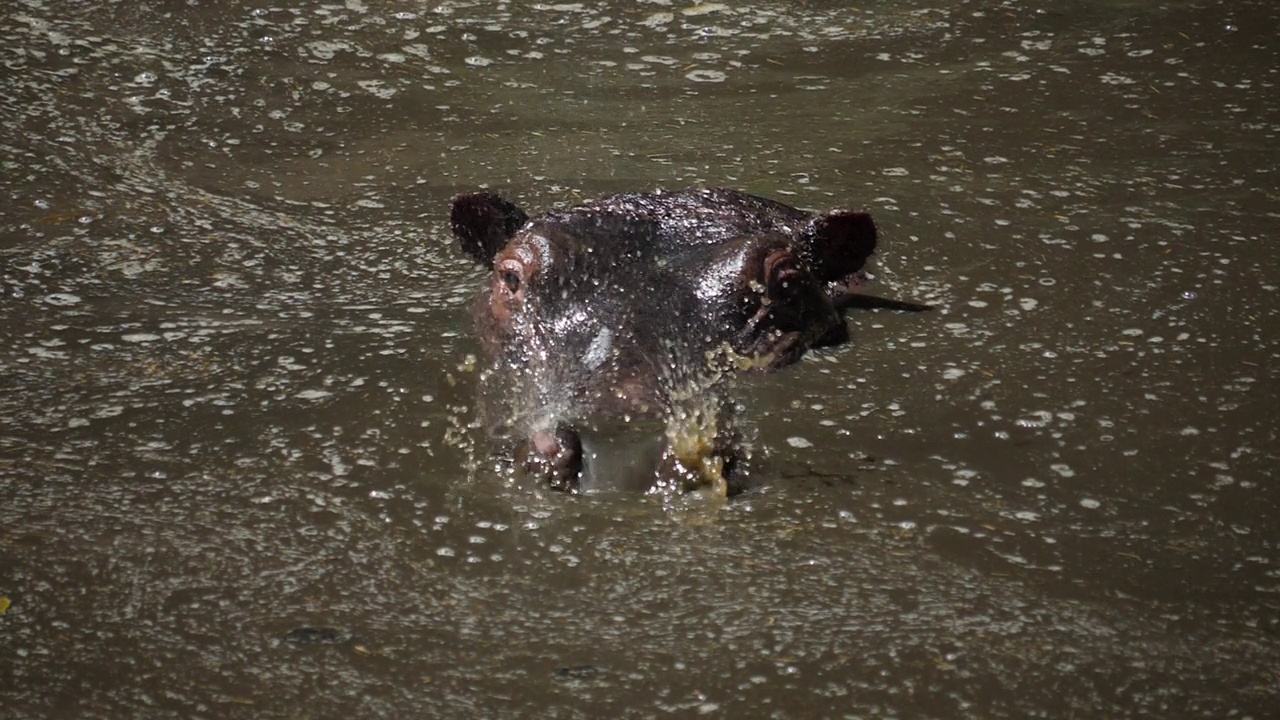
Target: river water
{"x":239,"y":473}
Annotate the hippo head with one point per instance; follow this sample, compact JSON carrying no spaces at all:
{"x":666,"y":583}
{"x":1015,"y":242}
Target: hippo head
{"x":619,"y":306}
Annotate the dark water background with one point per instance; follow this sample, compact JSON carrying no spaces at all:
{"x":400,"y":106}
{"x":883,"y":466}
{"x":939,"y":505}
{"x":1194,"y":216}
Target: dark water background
{"x":234,"y":389}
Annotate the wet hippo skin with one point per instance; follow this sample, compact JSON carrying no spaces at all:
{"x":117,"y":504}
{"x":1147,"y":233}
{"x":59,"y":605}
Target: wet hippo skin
{"x":639,"y":305}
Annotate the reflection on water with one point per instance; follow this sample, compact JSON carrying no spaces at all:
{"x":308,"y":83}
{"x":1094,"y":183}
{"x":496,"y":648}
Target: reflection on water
{"x":237,"y":401}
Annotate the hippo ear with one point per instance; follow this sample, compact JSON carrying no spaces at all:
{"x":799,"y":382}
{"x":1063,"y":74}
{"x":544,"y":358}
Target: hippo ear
{"x":838,"y":244}
{"x":483,"y":222}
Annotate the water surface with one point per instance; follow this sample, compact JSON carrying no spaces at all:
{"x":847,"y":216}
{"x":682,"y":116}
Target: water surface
{"x":237,"y":397}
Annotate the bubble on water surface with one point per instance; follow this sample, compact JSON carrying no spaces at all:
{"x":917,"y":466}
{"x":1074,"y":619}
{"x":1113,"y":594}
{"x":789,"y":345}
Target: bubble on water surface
{"x":62,"y":299}
{"x":325,"y":49}
{"x":1037,"y":419}
{"x":657,"y":19}
{"x":378,"y":88}
{"x":47,"y":354}
{"x":1114,"y":79}
{"x":704,"y":9}
{"x":706,"y":76}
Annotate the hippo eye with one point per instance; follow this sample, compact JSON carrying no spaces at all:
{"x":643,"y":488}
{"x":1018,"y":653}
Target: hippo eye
{"x":510,"y":273}
{"x":511,"y":280}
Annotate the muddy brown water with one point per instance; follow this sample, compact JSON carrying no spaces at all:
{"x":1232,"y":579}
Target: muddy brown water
{"x":238,"y":476}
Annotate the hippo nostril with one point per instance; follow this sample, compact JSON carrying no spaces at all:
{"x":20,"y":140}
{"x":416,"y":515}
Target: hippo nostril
{"x":553,"y":455}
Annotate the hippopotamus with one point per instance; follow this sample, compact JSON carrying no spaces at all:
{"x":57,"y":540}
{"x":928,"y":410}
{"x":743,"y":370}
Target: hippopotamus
{"x":640,"y":305}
